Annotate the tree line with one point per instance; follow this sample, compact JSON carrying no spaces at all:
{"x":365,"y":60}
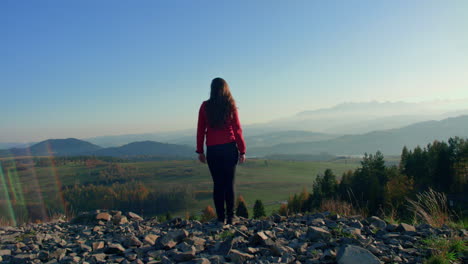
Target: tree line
{"x":375,"y":188}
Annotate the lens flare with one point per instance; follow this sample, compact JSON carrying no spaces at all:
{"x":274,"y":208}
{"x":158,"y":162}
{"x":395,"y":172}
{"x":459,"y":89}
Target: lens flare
{"x":17,"y":189}
{"x":36,"y":194}
{"x":58,"y":183}
{"x":6,"y":196}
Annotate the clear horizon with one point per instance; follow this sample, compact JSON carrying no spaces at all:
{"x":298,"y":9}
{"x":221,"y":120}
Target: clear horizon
{"x":85,"y":69}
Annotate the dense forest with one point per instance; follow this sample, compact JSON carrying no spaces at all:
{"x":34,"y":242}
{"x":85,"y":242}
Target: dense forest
{"x":377,"y":189}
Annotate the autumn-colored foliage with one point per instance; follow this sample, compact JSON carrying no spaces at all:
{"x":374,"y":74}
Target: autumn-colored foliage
{"x":242,"y":207}
{"x":208,"y":213}
{"x":283,"y":210}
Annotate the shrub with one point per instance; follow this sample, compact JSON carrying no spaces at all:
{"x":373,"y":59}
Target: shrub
{"x":339,"y":207}
{"x":259,"y":209}
{"x":208,"y":214}
{"x":283,"y":210}
{"x":242,"y":207}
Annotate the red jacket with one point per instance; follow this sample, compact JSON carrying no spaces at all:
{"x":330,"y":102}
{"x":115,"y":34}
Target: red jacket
{"x":231,"y":132}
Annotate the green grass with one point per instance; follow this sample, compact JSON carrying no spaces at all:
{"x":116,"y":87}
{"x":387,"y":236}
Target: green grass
{"x":271,"y":181}
{"x":446,"y":250}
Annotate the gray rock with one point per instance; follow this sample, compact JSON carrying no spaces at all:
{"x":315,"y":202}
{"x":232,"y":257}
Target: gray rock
{"x":356,"y":224}
{"x":350,"y":254}
{"x":197,"y":261}
{"x":317,"y":233}
{"x":103,"y":216}
{"x":114,"y":248}
{"x":405,"y":228}
{"x":184,"y":256}
{"x":131,"y":256}
{"x":5,"y":252}
{"x":216,"y":259}
{"x":134,"y":216}
{"x":58,"y":254}
{"x":377,"y":222}
{"x":132,"y":241}
{"x":223,"y":248}
{"x":352,"y":231}
{"x":239,"y":257}
{"x":120,"y":220}
{"x":150,"y":239}
{"x":317,"y":222}
{"x":43,"y":255}
{"x":260,"y":238}
{"x":23,"y":258}
{"x":391,"y":227}
{"x":98,"y":245}
{"x":279,"y":250}
{"x":98,"y":257}
{"x":198,"y":242}
{"x":184,"y":246}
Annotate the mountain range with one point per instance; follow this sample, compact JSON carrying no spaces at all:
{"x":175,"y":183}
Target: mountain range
{"x":389,"y":142}
{"x":320,"y":124}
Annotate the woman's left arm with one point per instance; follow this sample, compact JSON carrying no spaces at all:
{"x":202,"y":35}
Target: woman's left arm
{"x":201,"y":129}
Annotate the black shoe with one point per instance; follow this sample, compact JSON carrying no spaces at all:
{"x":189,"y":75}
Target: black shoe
{"x":231,"y":221}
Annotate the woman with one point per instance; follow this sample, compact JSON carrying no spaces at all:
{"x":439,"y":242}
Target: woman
{"x":219,"y":121}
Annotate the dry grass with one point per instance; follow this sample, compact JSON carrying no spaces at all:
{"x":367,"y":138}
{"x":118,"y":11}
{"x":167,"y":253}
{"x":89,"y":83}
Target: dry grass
{"x":431,"y":208}
{"x":340,"y":207}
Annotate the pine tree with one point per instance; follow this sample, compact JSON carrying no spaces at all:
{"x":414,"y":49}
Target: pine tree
{"x":259,"y":210}
{"x":168,"y":216}
{"x":242,"y":207}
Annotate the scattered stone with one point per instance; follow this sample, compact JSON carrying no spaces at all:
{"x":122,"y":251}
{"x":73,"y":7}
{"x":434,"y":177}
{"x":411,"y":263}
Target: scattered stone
{"x":134,"y":217}
{"x":377,"y":222}
{"x":58,"y":254}
{"x":132,"y":241}
{"x":239,"y":257}
{"x":317,"y":233}
{"x":127,"y":238}
{"x":104,"y":216}
{"x":150,"y":239}
{"x":120,"y":220}
{"x":98,"y":245}
{"x":114,"y":248}
{"x":405,"y":228}
{"x":350,"y":254}
{"x":98,"y":258}
{"x":184,"y":256}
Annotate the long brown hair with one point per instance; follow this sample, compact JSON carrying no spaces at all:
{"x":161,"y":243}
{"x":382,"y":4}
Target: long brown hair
{"x":221,"y":104}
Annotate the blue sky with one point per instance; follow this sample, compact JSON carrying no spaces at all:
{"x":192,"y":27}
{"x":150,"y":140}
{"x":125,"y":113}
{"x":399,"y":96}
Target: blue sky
{"x":90,"y":68}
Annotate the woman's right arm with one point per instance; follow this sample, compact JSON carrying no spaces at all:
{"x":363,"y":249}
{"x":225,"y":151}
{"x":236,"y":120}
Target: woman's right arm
{"x":238,"y":133}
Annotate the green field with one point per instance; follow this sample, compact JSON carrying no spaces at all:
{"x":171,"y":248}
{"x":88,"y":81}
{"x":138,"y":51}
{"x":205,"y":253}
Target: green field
{"x":271,"y":181}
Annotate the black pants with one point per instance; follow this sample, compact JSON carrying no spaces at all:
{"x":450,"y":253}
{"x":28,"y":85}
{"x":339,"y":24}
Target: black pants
{"x":222,"y":160}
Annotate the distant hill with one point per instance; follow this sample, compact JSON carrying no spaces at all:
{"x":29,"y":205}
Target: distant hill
{"x":390,"y":142}
{"x":76,"y":147}
{"x":150,"y":148}
{"x":53,"y":147}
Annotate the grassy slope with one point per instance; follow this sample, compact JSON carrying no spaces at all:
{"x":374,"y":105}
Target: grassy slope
{"x":270,"y":181}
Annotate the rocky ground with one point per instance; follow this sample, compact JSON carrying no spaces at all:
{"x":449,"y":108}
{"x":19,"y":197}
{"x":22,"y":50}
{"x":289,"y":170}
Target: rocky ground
{"x":113,"y":237}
